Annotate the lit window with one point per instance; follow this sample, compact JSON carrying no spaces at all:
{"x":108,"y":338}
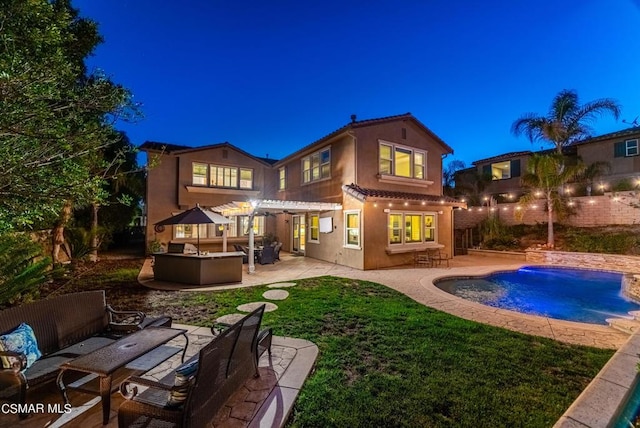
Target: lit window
{"x":401,"y":161}
{"x":395,"y":228}
{"x":199,"y":172}
{"x":246,"y":178}
{"x":258,"y":225}
{"x":352,"y":229}
{"x":316,"y":166}
{"x":429,"y":227}
{"x":282,"y":178}
{"x":412,"y":228}
{"x":226,"y":176}
{"x":314,"y":228}
{"x":500,"y":170}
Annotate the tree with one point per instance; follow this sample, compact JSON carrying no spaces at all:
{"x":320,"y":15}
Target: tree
{"x":53,"y":113}
{"x":546,"y":175}
{"x":566,"y":121}
{"x":472,"y":184}
{"x":449,"y":176}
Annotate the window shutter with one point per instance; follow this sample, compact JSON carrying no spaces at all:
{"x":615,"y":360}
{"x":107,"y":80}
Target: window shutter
{"x":486,"y":170}
{"x":619,"y":150}
{"x":515,"y":168}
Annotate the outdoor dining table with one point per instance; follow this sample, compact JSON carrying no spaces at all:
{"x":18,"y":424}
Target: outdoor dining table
{"x":105,"y":361}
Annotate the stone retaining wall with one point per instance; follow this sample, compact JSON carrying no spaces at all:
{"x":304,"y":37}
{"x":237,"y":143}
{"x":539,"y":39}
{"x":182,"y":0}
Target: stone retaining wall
{"x":616,"y":262}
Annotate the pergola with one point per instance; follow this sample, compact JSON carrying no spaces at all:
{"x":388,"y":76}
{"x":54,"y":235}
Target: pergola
{"x":253,"y":207}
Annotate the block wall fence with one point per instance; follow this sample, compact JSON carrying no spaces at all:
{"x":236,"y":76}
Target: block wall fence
{"x":620,"y":208}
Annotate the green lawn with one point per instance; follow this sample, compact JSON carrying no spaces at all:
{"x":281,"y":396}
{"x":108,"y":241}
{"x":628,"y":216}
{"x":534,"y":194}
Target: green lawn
{"x":387,"y":361}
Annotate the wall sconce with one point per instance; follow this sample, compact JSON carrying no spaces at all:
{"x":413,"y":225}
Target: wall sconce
{"x":440,"y":212}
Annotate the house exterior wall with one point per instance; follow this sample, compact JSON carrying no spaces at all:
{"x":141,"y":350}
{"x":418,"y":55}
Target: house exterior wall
{"x":507,"y":185}
{"x":368,"y":149}
{"x":354,"y":159}
{"x":623,"y":167}
{"x":170,"y":189}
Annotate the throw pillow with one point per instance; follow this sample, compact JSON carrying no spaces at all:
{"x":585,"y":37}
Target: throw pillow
{"x":183,"y":380}
{"x":21,"y":340}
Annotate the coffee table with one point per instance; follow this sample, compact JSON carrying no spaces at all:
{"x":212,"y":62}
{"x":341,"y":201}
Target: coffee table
{"x":105,"y":361}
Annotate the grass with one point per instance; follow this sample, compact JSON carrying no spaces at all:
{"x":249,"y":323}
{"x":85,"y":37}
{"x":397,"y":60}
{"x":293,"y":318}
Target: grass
{"x":386,"y":360}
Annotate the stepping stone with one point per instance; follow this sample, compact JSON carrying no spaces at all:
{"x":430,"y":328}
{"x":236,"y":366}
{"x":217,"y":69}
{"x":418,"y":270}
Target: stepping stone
{"x":230,"y":319}
{"x":248,"y":307}
{"x":282,"y":285}
{"x":275,"y":294}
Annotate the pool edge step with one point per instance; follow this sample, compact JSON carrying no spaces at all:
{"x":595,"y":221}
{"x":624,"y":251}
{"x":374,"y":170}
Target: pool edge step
{"x":624,"y":325}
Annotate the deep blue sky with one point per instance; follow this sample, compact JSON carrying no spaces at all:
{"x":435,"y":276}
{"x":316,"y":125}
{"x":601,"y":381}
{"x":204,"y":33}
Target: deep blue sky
{"x":274,"y":76}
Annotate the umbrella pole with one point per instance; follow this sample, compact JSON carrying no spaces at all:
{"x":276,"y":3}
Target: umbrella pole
{"x":198,"y":235}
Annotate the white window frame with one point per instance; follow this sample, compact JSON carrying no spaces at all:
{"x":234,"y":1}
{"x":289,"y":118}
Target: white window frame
{"x":412,"y":160}
{"x":230,"y":173}
{"x":311,"y":228}
{"x":316,"y":169}
{"x":193,"y":174}
{"x":347,"y":213}
{"x":631,"y":149}
{"x":423,"y":241}
{"x":282,"y":178}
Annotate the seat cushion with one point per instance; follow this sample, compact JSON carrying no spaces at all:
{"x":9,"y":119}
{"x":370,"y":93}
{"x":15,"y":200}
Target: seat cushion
{"x":22,"y":340}
{"x":184,"y":376}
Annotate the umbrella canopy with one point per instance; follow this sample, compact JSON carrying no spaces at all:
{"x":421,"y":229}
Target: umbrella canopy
{"x":195,"y":215}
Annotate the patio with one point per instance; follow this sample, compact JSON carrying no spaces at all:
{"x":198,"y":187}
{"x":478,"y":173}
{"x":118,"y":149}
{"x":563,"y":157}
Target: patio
{"x":263,"y":401}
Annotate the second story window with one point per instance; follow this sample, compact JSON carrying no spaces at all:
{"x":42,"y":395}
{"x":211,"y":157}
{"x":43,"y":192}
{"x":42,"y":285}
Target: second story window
{"x":316,"y":166}
{"x":199,"y":174}
{"x":626,"y":148}
{"x":282,"y":178}
{"x":401,"y":161}
{"x":222,"y":176}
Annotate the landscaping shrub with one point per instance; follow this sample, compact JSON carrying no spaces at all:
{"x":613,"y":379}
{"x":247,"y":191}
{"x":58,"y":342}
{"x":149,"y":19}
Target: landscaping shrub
{"x":591,"y":241}
{"x":22,"y":267}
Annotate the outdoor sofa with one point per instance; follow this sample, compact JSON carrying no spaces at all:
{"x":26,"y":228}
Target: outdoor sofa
{"x":192,"y":394}
{"x":65,"y":327}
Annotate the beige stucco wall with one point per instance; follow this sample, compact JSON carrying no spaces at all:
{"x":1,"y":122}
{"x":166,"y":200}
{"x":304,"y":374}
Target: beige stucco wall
{"x":368,"y":157}
{"x":169,"y":189}
{"x":610,"y":209}
{"x":603,"y":151}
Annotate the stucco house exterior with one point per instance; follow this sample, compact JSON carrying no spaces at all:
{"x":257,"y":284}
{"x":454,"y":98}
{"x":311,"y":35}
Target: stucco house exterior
{"x":619,"y":149}
{"x":367,"y":195}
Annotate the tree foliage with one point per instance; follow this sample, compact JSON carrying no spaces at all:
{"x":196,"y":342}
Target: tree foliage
{"x":566,"y":121}
{"x":53,"y":113}
{"x":545,"y":176}
{"x":22,"y":267}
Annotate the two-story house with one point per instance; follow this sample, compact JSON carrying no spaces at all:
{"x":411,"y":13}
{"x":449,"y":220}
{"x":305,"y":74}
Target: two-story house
{"x":617,"y":151}
{"x":367,"y":195}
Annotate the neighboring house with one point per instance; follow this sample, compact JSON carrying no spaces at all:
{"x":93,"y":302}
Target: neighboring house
{"x":619,"y":149}
{"x":383,"y":175}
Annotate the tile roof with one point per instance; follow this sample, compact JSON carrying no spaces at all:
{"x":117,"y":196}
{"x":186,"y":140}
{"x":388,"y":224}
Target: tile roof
{"x":177,"y":149}
{"x":617,"y":134}
{"x":363,"y":194}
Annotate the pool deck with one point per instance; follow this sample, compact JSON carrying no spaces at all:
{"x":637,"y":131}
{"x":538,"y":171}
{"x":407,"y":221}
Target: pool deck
{"x":417,"y":283}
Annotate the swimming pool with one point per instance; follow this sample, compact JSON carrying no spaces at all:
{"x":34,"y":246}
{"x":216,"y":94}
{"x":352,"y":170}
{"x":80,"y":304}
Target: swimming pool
{"x":580,"y":295}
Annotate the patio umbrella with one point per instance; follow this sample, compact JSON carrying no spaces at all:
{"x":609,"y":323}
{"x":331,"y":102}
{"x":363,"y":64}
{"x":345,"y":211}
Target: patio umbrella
{"x":196,"y":216}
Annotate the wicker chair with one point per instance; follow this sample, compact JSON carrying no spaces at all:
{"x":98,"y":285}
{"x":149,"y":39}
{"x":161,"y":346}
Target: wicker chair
{"x":224,"y":365}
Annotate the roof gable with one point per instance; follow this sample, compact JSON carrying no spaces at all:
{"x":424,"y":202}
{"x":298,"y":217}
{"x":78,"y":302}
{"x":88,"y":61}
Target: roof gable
{"x":177,"y":150}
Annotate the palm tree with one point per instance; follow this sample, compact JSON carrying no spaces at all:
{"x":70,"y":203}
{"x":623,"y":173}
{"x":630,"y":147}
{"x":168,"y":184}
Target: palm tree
{"x":566,"y":121}
{"x":592,"y":172}
{"x":547,"y":174}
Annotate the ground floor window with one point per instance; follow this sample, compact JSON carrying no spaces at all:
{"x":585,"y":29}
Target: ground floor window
{"x":314,"y":228}
{"x":411,"y":228}
{"x":352,"y":229}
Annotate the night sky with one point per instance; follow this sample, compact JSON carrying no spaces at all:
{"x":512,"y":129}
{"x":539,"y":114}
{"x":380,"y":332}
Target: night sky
{"x":273,"y":76}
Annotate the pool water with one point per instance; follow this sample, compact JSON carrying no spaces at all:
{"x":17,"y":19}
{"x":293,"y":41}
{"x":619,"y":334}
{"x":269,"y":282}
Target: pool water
{"x":580,"y":295}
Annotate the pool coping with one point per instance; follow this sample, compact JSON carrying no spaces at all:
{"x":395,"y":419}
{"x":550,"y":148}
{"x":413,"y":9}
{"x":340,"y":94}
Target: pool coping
{"x":602,"y":401}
